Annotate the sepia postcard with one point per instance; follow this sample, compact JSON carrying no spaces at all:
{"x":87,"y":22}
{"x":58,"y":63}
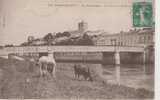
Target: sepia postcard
{"x":77,"y":49}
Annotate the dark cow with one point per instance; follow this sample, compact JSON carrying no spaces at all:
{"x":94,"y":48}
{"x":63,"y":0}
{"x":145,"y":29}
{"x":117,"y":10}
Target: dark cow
{"x":84,"y":71}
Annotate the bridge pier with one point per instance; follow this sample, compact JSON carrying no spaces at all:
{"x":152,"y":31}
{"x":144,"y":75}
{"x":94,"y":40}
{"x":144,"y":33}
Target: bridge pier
{"x":117,"y":66}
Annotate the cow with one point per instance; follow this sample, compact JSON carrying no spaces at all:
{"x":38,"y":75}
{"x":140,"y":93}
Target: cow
{"x":47,"y":64}
{"x":82,"y":70}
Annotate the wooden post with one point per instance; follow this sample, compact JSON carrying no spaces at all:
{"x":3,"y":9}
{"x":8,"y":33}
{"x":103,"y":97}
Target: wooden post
{"x":50,"y":54}
{"x":117,"y":66}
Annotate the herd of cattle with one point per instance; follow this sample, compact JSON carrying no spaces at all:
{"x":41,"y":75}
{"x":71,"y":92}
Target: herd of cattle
{"x":47,"y":65}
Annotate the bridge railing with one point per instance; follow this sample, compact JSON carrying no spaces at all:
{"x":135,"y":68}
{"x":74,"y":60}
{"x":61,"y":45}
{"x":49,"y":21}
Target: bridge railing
{"x":35,"y":49}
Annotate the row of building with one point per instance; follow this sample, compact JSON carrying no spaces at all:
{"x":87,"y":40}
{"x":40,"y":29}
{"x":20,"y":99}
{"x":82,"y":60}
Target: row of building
{"x":136,"y":37}
{"x":143,"y":37}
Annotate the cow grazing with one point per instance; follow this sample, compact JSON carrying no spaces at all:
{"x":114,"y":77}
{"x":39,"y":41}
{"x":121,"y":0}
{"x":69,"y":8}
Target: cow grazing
{"x":47,"y":65}
{"x":84,"y":71}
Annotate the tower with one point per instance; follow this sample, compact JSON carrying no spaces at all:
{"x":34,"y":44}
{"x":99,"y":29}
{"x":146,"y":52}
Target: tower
{"x":82,"y":26}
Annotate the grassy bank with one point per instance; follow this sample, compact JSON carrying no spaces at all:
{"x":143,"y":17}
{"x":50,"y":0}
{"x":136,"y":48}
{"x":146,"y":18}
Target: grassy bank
{"x":20,"y":79}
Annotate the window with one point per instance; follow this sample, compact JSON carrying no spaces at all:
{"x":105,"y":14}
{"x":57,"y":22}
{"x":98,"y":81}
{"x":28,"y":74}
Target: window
{"x":149,"y":38}
{"x":140,"y":39}
{"x":121,"y":43}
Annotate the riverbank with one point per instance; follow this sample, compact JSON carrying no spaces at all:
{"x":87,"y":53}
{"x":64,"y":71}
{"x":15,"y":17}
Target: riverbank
{"x":18,"y":81}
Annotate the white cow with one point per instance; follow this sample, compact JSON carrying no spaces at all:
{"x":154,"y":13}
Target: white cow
{"x":47,"y":64}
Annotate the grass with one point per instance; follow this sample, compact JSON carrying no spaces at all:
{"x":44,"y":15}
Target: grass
{"x":18,"y":81}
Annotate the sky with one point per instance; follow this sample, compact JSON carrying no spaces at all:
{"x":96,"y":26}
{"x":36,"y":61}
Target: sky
{"x":22,"y":18}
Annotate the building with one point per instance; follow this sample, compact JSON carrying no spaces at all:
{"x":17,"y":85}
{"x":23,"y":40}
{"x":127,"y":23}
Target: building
{"x":144,"y":37}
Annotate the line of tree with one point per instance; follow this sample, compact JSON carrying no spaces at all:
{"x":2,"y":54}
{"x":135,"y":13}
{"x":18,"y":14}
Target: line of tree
{"x":9,"y":45}
{"x":50,"y":40}
{"x":84,"y":40}
{"x":67,"y":34}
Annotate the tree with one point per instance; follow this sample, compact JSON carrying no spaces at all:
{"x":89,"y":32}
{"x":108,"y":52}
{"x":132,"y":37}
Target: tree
{"x":9,"y":45}
{"x":85,"y":40}
{"x":30,"y":38}
{"x":24,"y":44}
{"x":1,"y":47}
{"x":66,"y":34}
{"x":59,"y":34}
{"x":48,"y":38}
